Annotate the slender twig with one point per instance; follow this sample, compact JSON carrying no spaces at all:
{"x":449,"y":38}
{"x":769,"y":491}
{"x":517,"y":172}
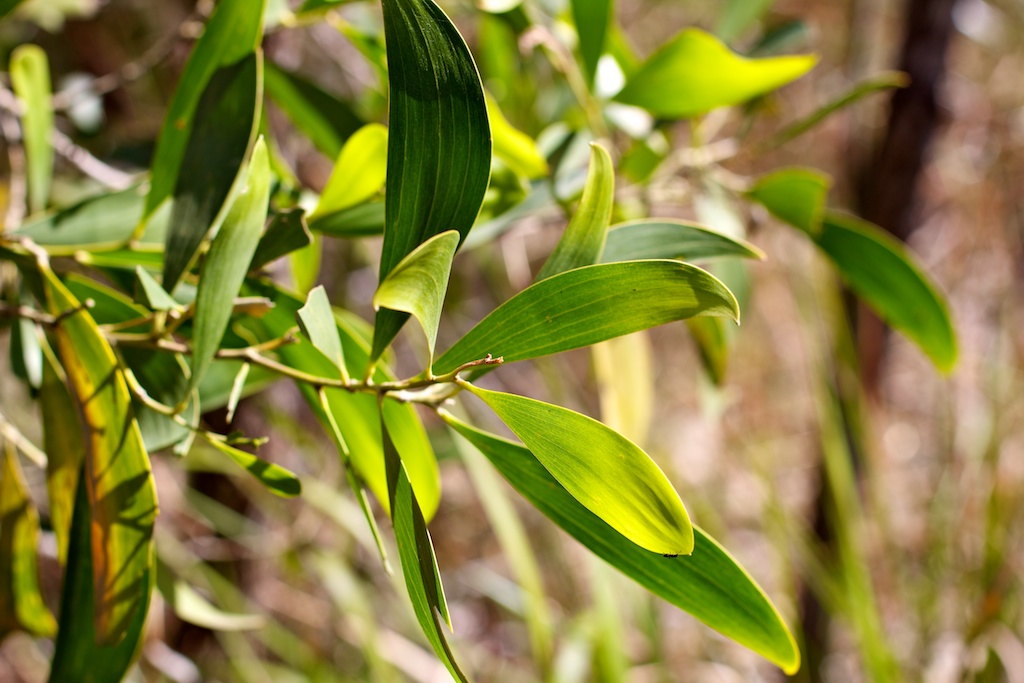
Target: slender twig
{"x":21,"y":442}
{"x":41,"y":318}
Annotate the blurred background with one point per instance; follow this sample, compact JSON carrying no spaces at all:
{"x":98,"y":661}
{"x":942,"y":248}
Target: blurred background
{"x":916,"y":577}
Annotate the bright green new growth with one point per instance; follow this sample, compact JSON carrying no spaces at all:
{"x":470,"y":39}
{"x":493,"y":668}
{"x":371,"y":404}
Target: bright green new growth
{"x":30,"y":78}
{"x":604,"y":471}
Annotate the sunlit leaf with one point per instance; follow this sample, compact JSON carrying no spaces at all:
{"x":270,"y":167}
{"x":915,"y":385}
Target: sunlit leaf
{"x":888,"y":278}
{"x":624,"y":370}
{"x":122,"y":495}
{"x":419,"y":564}
{"x":584,"y":238}
{"x":79,"y":653}
{"x":359,"y":171}
{"x":516,"y":149}
{"x":191,"y":607}
{"x":418,"y":284}
{"x":62,"y":441}
{"x":709,"y":584}
{"x":794,"y":195}
{"x":227,"y":117}
{"x":316,"y":319}
{"x":30,"y":79}
{"x":695,"y":73}
{"x":592,"y":19}
{"x":277,"y":479}
{"x":660,"y":238}
{"x":233,"y":31}
{"x":21,"y":605}
{"x":589,"y":305}
{"x":228,"y":262}
{"x":286,"y":233}
{"x":604,"y":471}
{"x":439,"y":144}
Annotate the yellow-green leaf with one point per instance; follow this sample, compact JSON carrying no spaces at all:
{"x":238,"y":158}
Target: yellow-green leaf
{"x":794,"y":195}
{"x":359,"y":173}
{"x":654,"y":238}
{"x":277,"y":479}
{"x":516,"y":149}
{"x":30,"y":78}
{"x":62,"y":440}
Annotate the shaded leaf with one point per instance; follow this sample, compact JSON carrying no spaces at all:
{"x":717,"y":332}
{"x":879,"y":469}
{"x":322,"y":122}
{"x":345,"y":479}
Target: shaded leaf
{"x":228,"y":262}
{"x":21,"y":605}
{"x":359,"y":172}
{"x":516,"y":149}
{"x":589,"y":305}
{"x":277,"y":479}
{"x":150,"y":294}
{"x":227,"y":118}
{"x":794,"y":195}
{"x":30,"y":79}
{"x":584,"y":238}
{"x":709,"y":584}
{"x":233,"y":31}
{"x":604,"y":471}
{"x":713,"y":343}
{"x":660,"y":238}
{"x":418,"y":284}
{"x":439,"y":144}
{"x":62,"y":441}
{"x":122,"y":495}
{"x":592,"y":19}
{"x":888,"y":278}
{"x":695,"y":73}
{"x":286,"y":233}
{"x":364,"y":220}
{"x":316,"y":319}
{"x":623,"y":368}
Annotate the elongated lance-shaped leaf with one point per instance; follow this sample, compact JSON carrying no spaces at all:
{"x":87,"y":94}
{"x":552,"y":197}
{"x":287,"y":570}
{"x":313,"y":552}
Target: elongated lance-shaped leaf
{"x":79,"y":654}
{"x":584,"y":238}
{"x":888,"y":278}
{"x":277,"y":479}
{"x":30,"y":78}
{"x":592,"y":19}
{"x":608,"y":474}
{"x":359,"y":172}
{"x":119,"y":480}
{"x":228,"y":262}
{"x":234,"y":30}
{"x":419,"y":283}
{"x":661,"y":238}
{"x":709,"y":584}
{"x":439,"y":144}
{"x":286,"y":233}
{"x":419,"y":564}
{"x":695,"y":72}
{"x":227,"y":118}
{"x":62,"y":440}
{"x":515,"y":148}
{"x":589,"y":305}
{"x":21,"y":604}
{"x":316,"y":319}
{"x":794,"y":195}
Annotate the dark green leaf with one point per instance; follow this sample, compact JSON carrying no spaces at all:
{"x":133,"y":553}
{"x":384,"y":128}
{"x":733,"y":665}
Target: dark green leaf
{"x":709,"y":584}
{"x":364,"y":220}
{"x":286,"y":233}
{"x":228,"y":261}
{"x":604,"y":471}
{"x":589,"y":305}
{"x":661,"y":238}
{"x":695,"y":73}
{"x":887,"y":277}
{"x":794,"y":195}
{"x":439,"y":146}
{"x":277,"y":479}
{"x":227,"y":118}
{"x":592,"y":18}
{"x":584,"y":238}
{"x":30,"y":79}
{"x":359,"y":172}
{"x":316,"y":319}
{"x":234,"y":30}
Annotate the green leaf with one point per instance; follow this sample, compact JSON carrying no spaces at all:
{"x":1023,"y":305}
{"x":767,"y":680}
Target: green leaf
{"x":193,"y":608}
{"x":122,"y":495}
{"x":661,"y":238}
{"x":695,"y":73}
{"x":364,"y":220}
{"x":227,"y":263}
{"x":65,"y":452}
{"x":604,"y":471}
{"x":30,"y":79}
{"x":286,"y":233}
{"x":713,"y":343}
{"x":419,"y":564}
{"x":794,"y":195}
{"x":79,"y":653}
{"x":516,"y":149}
{"x":592,"y":19}
{"x":316,"y":319}
{"x":326,"y":120}
{"x":233,"y":31}
{"x":227,"y":118}
{"x":277,"y":479}
{"x":150,"y":294}
{"x":584,"y":238}
{"x":305,"y":265}
{"x":360,"y":171}
{"x":589,"y":305}
{"x":888,"y":278}
{"x":623,"y":368}
{"x":709,"y":584}
{"x":418,"y":284}
{"x":439,"y":144}
{"x":738,"y":15}
{"x":21,"y":604}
